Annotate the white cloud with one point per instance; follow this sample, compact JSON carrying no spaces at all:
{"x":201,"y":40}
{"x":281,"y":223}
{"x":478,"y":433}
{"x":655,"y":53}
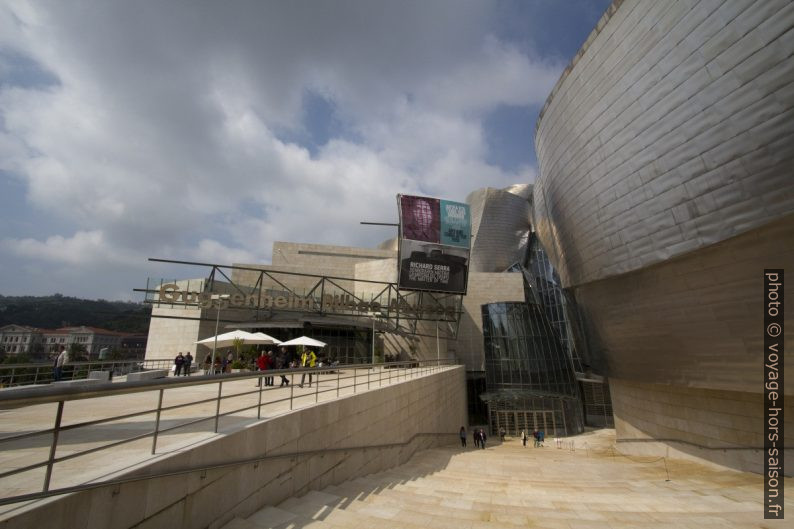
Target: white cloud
{"x":162,"y":137}
{"x":84,"y":247}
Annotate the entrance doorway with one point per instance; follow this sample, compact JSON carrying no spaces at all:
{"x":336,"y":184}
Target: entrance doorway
{"x":514,"y":421}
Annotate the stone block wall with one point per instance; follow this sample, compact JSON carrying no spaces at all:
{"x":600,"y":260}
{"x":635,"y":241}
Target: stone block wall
{"x":721,"y":427}
{"x":429,"y":404}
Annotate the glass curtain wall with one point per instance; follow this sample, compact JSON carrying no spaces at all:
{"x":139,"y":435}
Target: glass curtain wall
{"x":529,"y":375}
{"x":549,"y":293}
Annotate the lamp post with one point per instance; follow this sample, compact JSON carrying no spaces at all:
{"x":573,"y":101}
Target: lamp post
{"x":218,"y":298}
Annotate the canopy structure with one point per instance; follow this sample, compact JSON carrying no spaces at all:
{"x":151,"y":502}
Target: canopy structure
{"x":304,"y":340}
{"x":228,"y":338}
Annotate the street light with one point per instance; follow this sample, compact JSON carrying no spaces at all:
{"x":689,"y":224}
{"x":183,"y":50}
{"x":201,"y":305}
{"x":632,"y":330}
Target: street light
{"x":217,"y":297}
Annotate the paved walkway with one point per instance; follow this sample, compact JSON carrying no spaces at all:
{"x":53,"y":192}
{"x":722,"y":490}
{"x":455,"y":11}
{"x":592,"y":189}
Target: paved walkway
{"x":507,"y":485}
{"x":108,"y":463}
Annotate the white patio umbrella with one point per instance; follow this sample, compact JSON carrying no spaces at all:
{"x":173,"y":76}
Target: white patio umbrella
{"x":304,"y":340}
{"x":226,"y":339}
{"x":263,"y":336}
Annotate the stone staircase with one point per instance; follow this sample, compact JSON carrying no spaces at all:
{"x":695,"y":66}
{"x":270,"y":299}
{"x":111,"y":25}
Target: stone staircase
{"x":507,"y":485}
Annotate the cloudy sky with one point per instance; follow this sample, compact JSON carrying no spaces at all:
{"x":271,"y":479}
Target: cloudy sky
{"x":207,"y":130}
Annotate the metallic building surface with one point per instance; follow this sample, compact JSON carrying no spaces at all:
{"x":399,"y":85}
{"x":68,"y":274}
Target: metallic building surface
{"x":500,"y":227}
{"x":696,"y":320}
{"x":671,"y":131}
{"x":666,"y":187}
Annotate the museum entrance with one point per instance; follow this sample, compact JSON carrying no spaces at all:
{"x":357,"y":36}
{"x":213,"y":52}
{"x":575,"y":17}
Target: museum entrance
{"x":515,"y":421}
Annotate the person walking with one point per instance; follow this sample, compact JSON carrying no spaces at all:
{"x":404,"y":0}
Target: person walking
{"x":483,"y":437}
{"x":60,"y":362}
{"x":524,"y":438}
{"x":188,"y":363}
{"x":308,"y":359}
{"x":463,"y":437}
{"x":535,"y":436}
{"x":270,"y":363}
{"x":281,"y":363}
{"x":502,"y":434}
{"x":476,"y":436}
{"x":541,"y":437}
{"x":261,"y":365}
{"x":179,"y":361}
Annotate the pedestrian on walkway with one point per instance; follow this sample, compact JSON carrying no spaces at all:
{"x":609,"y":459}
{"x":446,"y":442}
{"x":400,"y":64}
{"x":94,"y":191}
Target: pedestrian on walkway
{"x":179,"y":361}
{"x":476,"y":436}
{"x":541,"y":436}
{"x":281,"y":363}
{"x":261,"y":364}
{"x":535,"y":436}
{"x":502,"y":434}
{"x":308,"y":359}
{"x":60,"y":362}
{"x":463,"y":437}
{"x":188,"y":363}
{"x":524,"y":438}
{"x":483,"y":437}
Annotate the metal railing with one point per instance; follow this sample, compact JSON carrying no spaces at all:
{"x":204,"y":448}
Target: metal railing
{"x":12,"y":375}
{"x":356,"y":376}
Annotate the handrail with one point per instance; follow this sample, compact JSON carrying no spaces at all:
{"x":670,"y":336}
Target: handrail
{"x":15,"y":375}
{"x":216,"y":466}
{"x":60,"y":395}
{"x":55,"y":393}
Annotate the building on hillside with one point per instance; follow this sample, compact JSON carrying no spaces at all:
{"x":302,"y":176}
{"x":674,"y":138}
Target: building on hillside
{"x":39,"y":343}
{"x":21,"y":339}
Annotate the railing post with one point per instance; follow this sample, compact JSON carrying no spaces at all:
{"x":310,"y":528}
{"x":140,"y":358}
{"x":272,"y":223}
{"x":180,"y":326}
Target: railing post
{"x":368,"y":372}
{"x":218,"y":406}
{"x":259,"y":405}
{"x":338,"y":373}
{"x":54,"y":446}
{"x":157,"y":422}
{"x":36,"y":376}
{"x":291,"y":392}
{"x":317,"y":389}
{"x":355,"y":381}
{"x":11,"y":382}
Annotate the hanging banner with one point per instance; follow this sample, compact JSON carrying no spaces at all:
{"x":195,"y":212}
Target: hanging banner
{"x":434,"y":246}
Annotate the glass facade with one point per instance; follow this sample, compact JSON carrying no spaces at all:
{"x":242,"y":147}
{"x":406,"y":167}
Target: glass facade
{"x":529,"y":377}
{"x":549,"y":293}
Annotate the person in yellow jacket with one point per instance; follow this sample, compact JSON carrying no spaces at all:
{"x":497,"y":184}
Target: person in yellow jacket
{"x":308,"y":359}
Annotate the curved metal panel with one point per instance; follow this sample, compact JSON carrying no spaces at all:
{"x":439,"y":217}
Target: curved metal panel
{"x":500,"y":229}
{"x":671,"y":132}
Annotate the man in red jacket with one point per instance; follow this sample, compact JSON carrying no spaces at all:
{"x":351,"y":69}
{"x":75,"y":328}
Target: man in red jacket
{"x":262,"y":365}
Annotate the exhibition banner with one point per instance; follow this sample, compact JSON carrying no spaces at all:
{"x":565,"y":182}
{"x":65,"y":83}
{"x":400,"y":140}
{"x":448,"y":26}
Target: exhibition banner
{"x":435,"y":238}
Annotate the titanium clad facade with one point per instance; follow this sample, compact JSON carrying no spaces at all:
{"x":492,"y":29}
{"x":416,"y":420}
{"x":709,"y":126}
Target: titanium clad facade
{"x":500,"y":227}
{"x":666,"y":186}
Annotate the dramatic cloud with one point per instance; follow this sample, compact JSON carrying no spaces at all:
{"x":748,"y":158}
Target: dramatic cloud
{"x":209,"y":130}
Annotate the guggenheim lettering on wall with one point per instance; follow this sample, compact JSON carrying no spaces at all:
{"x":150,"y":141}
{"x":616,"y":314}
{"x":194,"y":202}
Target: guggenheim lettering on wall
{"x":171,"y":293}
{"x":435,"y":242}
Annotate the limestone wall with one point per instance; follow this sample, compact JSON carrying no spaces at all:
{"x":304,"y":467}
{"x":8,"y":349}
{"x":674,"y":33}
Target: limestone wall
{"x":722,"y":427}
{"x":434,"y":403}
